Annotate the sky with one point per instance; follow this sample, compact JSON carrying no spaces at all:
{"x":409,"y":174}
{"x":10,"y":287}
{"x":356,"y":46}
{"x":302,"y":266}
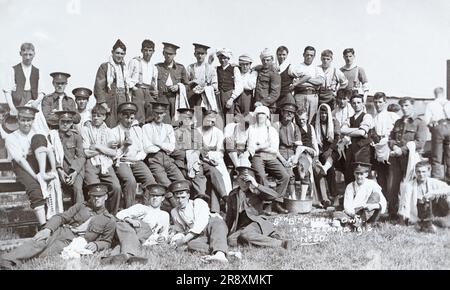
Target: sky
{"x":402,"y":44}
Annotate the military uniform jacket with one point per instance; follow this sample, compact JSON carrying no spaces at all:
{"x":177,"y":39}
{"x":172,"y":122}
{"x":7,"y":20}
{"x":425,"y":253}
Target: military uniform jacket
{"x":74,"y":158}
{"x":408,"y":129}
{"x":177,"y":73}
{"x":101,"y":227}
{"x":252,"y":204}
{"x":268,"y":86}
{"x":51,"y":102}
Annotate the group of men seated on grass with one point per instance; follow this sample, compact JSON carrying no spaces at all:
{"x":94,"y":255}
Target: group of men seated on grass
{"x":186,"y":151}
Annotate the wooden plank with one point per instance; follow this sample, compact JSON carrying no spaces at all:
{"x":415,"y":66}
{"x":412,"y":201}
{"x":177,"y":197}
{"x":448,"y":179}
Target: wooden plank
{"x":5,"y":164}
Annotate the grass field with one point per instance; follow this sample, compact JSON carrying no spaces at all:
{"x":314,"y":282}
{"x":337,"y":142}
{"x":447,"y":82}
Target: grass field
{"x":384,"y":247}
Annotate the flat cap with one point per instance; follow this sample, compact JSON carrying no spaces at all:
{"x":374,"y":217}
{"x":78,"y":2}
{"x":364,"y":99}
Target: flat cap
{"x":245,"y":58}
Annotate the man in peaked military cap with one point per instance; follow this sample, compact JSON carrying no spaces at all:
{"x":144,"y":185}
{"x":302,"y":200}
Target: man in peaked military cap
{"x":89,"y":219}
{"x":130,"y":166}
{"x":69,"y":155}
{"x":111,"y":83}
{"x":30,"y":159}
{"x":58,"y":100}
{"x":82,"y":96}
{"x":172,"y":78}
{"x":202,"y":74}
{"x":141,"y":224}
{"x":195,"y":226}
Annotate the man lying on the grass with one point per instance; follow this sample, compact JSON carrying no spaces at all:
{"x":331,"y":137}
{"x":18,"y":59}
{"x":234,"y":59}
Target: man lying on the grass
{"x":195,"y":226}
{"x":141,"y":224}
{"x":244,"y":209}
{"x":90,"y":220}
{"x":425,"y":200}
{"x":363,"y":199}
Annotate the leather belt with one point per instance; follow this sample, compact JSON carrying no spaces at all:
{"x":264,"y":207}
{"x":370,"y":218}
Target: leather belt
{"x":307,"y":91}
{"x":143,"y":86}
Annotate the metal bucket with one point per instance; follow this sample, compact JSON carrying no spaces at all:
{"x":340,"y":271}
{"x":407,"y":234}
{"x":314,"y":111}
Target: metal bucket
{"x":297,"y":205}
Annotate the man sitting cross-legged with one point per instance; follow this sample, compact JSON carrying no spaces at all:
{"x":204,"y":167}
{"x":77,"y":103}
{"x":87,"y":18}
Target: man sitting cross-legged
{"x":141,"y":224}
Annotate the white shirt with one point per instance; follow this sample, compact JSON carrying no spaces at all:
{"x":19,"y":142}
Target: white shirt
{"x":18,"y":144}
{"x":437,"y":110}
{"x":334,"y":78}
{"x":153,"y":132}
{"x":249,"y":80}
{"x":343,"y":115}
{"x":262,"y":135}
{"x":193,"y":218}
{"x":384,"y":122}
{"x":154,"y":217}
{"x":142,"y":72}
{"x":102,"y":136}
{"x":204,"y":74}
{"x":136,"y":150}
{"x":357,"y":196}
{"x":303,"y":69}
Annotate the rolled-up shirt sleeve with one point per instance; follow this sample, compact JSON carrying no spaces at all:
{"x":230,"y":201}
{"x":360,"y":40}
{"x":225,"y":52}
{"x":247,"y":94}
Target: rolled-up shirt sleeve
{"x":201,"y":216}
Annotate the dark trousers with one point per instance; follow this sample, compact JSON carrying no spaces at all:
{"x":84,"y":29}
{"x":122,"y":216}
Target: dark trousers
{"x":440,"y":151}
{"x":275,"y":168}
{"x":382,"y":170}
{"x":143,"y":98}
{"x":75,"y":190}
{"x":130,"y":174}
{"x":251,"y":234}
{"x":163,"y":168}
{"x":213,"y":238}
{"x":52,"y":247}
{"x":118,"y":97}
{"x":131,"y":238}
{"x":397,"y":171}
{"x":93,"y":175}
{"x":216,"y":186}
{"x":355,"y":153}
{"x":244,"y":103}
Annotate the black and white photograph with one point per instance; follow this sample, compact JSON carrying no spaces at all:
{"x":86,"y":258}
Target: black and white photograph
{"x":224,"y":135}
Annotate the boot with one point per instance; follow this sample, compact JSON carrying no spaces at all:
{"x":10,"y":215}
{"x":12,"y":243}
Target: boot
{"x":267,"y":210}
{"x":277,"y":207}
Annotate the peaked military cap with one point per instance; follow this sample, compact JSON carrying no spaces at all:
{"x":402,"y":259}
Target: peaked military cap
{"x":201,"y":47}
{"x":156,"y":189}
{"x":26,"y":111}
{"x":127,"y":106}
{"x":82,"y":92}
{"x":180,"y":185}
{"x":98,"y":189}
{"x":60,"y":77}
{"x":362,"y":166}
{"x":170,"y":48}
{"x":65,"y":115}
{"x":159,"y":106}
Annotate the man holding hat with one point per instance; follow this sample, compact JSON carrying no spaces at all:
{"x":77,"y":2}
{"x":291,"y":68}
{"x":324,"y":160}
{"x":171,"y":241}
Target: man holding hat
{"x":130,"y":166}
{"x":82,"y":98}
{"x":363,"y":199}
{"x":201,"y":76}
{"x":30,"y":155}
{"x":89,"y":220}
{"x":69,"y":155}
{"x":143,"y":80}
{"x":230,"y":82}
{"x":112,"y":83}
{"x":141,"y":225}
{"x":159,"y":142}
{"x":245,"y":101}
{"x":195,"y":226}
{"x":290,"y":141}
{"x":58,"y":101}
{"x":172,"y":78}
{"x":244,"y":207}
{"x":268,"y":83}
